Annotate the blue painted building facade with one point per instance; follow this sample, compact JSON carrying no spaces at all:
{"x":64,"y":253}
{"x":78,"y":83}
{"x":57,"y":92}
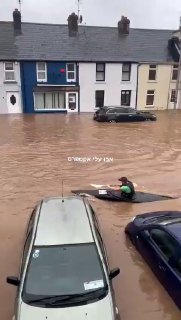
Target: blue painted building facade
{"x":50,"y":86}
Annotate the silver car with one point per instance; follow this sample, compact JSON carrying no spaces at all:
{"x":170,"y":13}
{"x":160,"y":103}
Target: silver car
{"x":64,"y":271}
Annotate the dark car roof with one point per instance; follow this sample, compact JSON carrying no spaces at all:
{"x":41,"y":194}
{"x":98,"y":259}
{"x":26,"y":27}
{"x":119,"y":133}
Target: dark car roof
{"x":171,"y":222}
{"x":118,"y":107}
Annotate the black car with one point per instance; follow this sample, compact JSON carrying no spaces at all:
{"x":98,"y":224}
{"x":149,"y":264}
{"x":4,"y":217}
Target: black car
{"x":157,"y":236}
{"x":122,"y":114}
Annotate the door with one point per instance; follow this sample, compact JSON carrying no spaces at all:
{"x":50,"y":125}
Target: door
{"x":125,"y":98}
{"x":72,"y":101}
{"x":13,"y":102}
{"x":163,"y":254}
{"x":172,"y":99}
{"x":111,"y":115}
{"x":123,"y":115}
{"x":99,"y":97}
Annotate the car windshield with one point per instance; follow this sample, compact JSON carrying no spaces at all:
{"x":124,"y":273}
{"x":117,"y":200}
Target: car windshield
{"x":63,"y":270}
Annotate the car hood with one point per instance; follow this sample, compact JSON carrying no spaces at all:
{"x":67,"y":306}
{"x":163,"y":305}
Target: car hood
{"x":101,"y":309}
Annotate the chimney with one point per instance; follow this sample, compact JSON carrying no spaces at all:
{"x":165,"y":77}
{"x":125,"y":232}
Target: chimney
{"x":73,"y":25}
{"x":17,"y":20}
{"x":123,"y":26}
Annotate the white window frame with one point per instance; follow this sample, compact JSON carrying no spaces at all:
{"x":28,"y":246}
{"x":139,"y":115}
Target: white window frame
{"x":8,"y":71}
{"x":37,"y":72}
{"x":150,"y":94}
{"x":47,"y":109}
{"x":67,"y":72}
{"x":151,"y":68}
{"x":126,"y":72}
{"x":103,"y":72}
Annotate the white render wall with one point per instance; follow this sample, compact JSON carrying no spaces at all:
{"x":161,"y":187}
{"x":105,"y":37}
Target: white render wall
{"x":112,"y":85}
{"x":8,"y":87}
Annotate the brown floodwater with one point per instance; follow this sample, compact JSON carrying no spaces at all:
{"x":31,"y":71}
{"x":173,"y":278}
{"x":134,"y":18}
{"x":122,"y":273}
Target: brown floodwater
{"x":34,"y":158}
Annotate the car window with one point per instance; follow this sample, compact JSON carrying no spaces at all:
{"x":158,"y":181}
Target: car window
{"x":101,"y":111}
{"x":164,"y":242}
{"x":121,"y":110}
{"x":99,"y":237}
{"x":31,"y":221}
{"x":63,"y":270}
{"x":131,"y":111}
{"x":177,"y":267}
{"x":25,"y":251}
{"x":112,"y":111}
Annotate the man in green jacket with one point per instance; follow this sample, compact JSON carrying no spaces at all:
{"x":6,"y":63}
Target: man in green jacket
{"x":127,"y":188}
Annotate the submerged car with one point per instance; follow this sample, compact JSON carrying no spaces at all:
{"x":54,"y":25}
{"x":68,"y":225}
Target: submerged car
{"x":157,"y":236}
{"x":64,"y":270}
{"x":122,"y":114}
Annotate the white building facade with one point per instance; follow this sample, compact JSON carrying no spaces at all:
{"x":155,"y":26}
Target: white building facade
{"x":10,"y":88}
{"x":107,"y":84}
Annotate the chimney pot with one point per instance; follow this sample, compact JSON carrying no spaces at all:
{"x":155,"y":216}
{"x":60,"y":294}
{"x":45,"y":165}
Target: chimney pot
{"x":73,"y":24}
{"x":17,"y":20}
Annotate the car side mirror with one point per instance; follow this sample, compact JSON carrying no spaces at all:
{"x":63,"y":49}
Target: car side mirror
{"x":114,"y":273}
{"x":13,"y":280}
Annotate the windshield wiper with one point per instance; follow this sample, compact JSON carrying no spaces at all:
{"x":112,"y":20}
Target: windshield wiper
{"x":59,"y":298}
{"x":44,"y":299}
{"x":85,"y":296}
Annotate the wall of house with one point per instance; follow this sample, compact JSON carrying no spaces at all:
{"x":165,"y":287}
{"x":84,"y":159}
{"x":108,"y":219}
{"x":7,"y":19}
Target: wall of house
{"x":7,"y":87}
{"x":163,"y":86}
{"x":55,"y":77}
{"x":112,"y":85}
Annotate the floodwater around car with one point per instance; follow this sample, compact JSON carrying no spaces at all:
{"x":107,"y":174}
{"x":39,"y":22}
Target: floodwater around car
{"x":38,"y":151}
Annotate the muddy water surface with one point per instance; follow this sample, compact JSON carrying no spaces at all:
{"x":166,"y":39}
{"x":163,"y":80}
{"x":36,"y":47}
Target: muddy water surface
{"x":34,"y":152}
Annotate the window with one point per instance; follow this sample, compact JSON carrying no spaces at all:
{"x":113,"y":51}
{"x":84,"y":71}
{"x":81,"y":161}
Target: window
{"x":31,"y":221}
{"x":164,"y":241}
{"x":152,"y":72}
{"x":173,"y":97}
{"x":99,"y":98}
{"x":126,"y":72}
{"x":25,"y":251}
{"x":49,"y":100}
{"x":41,"y":68}
{"x":150,"y":97}
{"x":175,"y":72}
{"x":71,"y":72}
{"x":9,"y":72}
{"x":64,"y":270}
{"x":100,"y":71}
{"x":112,"y":110}
{"x":125,"y":97}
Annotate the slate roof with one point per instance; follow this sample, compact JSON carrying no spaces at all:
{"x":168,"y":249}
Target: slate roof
{"x":50,"y":42}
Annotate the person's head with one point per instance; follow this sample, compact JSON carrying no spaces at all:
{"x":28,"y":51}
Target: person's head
{"x":123,"y":179}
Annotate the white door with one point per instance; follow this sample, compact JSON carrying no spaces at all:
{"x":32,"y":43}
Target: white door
{"x":72,"y":101}
{"x":172,"y":97}
{"x":13,"y":102}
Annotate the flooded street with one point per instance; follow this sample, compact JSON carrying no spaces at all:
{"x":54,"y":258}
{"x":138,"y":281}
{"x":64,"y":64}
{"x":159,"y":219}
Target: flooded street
{"x":34,"y":152}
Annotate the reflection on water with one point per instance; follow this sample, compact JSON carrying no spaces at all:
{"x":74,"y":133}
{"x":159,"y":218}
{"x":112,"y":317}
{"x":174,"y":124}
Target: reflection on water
{"x":34,"y":153}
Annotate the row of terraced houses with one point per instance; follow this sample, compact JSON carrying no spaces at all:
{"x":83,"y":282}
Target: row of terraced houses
{"x":76,"y":68}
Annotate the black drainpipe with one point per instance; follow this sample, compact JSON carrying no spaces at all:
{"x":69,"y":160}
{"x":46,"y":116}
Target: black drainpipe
{"x":78,"y":87}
